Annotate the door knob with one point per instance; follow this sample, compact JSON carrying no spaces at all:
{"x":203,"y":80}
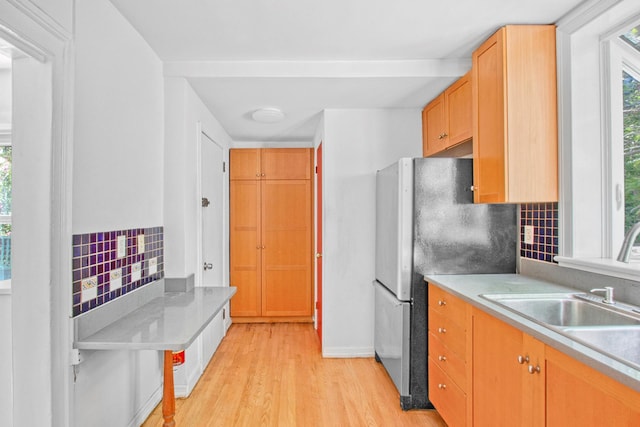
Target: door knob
{"x":205,"y":202}
{"x":207,"y":266}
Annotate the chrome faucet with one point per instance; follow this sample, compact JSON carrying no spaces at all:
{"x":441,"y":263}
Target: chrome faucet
{"x":608,"y":294}
{"x":627,"y":245}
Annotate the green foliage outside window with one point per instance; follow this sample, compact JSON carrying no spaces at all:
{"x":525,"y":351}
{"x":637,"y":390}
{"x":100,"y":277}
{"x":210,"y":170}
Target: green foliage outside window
{"x":631,"y":108}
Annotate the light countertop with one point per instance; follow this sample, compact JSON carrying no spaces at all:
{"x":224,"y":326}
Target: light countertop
{"x":171,"y":321}
{"x":470,"y":287}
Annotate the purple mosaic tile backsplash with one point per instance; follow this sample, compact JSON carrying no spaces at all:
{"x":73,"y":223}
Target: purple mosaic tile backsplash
{"x":104,"y":270}
{"x":544,"y":219}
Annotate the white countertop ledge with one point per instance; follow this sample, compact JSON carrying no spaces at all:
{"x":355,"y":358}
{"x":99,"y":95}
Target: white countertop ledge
{"x":470,"y":288}
{"x":168,"y":322}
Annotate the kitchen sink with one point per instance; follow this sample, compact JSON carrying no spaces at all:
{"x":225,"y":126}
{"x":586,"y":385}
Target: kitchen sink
{"x":565,"y":310}
{"x":610,"y":329}
{"x":622,"y":343}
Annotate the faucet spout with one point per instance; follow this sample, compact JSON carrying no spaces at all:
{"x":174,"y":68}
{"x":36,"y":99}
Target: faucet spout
{"x":627,"y":245}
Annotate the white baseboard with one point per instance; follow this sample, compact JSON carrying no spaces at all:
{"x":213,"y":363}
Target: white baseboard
{"x":347,"y":352}
{"x":146,"y":409}
{"x":184,"y":390}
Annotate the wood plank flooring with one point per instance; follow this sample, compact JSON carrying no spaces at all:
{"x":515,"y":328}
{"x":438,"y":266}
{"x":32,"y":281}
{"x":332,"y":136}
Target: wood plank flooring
{"x":274,"y":375}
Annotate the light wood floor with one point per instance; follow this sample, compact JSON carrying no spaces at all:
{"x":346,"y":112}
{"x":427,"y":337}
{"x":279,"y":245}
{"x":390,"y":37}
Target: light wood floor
{"x":274,"y":375}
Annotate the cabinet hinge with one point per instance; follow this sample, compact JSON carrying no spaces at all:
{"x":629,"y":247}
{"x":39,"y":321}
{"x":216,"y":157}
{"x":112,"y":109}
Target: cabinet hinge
{"x":316,"y":170}
{"x":224,"y":167}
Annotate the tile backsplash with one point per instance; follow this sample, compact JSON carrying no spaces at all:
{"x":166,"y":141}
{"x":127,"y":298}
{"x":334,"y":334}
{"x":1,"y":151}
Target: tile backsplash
{"x":544,"y":219}
{"x":109,"y":264}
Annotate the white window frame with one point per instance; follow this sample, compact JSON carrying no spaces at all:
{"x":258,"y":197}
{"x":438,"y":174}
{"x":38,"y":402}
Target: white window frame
{"x":589,"y":70}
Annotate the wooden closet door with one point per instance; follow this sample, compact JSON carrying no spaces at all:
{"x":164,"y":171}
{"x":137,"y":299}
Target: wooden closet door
{"x":286,"y":163}
{"x":244,"y":163}
{"x":286,"y":257}
{"x":245,"y":247}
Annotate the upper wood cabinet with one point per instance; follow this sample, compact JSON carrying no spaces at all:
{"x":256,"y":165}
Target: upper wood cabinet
{"x":515,"y":129}
{"x":270,"y":163}
{"x":447,"y":120}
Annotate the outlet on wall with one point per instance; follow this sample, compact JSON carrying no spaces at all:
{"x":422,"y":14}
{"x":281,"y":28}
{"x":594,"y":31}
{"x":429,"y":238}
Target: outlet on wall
{"x":528,"y":234}
{"x":121,"y":246}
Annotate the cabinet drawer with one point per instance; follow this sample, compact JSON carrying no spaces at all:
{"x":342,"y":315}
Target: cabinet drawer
{"x":447,"y":304}
{"x":449,"y":333}
{"x":447,"y":397}
{"x":452,"y":364}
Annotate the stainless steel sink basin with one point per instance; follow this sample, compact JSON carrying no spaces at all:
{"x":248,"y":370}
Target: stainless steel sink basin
{"x":622,"y":343}
{"x":612,"y":330}
{"x":563,"y":310}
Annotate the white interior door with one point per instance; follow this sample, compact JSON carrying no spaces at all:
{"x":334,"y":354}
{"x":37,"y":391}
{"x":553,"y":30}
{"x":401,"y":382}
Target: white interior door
{"x":212,"y":186}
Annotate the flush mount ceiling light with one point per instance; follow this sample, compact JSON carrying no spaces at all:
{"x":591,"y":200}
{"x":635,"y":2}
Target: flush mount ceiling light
{"x":268,"y":115}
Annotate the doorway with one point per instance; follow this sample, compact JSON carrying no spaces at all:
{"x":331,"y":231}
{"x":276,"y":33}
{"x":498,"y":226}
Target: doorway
{"x":212,"y":212}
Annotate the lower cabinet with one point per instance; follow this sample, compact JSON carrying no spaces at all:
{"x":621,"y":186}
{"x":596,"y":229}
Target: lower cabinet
{"x":449,"y":357}
{"x":484,"y":372}
{"x":508,"y":375}
{"x":578,"y":395}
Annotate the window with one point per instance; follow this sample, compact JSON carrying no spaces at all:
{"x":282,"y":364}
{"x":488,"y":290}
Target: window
{"x":5,"y":165}
{"x":599,"y":110}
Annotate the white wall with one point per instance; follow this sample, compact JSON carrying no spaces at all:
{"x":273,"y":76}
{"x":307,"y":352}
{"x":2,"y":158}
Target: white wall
{"x":183,"y":111}
{"x":60,"y":12}
{"x":356,"y":143}
{"x":5,"y":96}
{"x":117,"y":184}
{"x":6,"y":363}
{"x":185,"y":114}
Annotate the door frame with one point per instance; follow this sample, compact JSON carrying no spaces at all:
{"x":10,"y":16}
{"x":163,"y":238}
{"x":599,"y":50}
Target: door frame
{"x":34,"y":32}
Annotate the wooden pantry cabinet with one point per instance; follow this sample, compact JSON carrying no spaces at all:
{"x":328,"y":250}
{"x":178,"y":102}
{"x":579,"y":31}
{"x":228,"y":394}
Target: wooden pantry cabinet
{"x":447,"y":120}
{"x":271,"y":237}
{"x":515,"y":126}
{"x":450,"y":357}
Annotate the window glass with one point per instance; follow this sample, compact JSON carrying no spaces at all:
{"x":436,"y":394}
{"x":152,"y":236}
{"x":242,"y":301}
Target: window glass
{"x":5,"y":212}
{"x":632,"y":37}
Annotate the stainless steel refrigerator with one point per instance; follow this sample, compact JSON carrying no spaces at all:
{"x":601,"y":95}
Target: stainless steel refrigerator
{"x":427,"y":223}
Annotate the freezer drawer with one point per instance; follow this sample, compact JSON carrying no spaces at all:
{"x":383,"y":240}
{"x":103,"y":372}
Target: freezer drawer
{"x":391,"y":336}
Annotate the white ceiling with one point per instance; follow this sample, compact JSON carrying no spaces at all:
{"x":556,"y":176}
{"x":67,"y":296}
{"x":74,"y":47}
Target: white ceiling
{"x":304,"y":56}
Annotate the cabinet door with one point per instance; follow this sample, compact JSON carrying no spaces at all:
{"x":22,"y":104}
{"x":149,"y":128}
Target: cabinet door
{"x":488,"y":121}
{"x":508,"y":375}
{"x":245,"y":247}
{"x":286,"y":257}
{"x":244,"y":163}
{"x":458,"y":110}
{"x":497,"y":375}
{"x":577,"y":395}
{"x":433,"y":126}
{"x":286,"y":163}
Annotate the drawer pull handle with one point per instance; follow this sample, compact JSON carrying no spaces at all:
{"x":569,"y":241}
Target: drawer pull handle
{"x":534,"y":369}
{"x":523,"y":359}
{"x":442,"y":303}
{"x":442,"y":386}
{"x":442,"y":358}
{"x":442,"y":330}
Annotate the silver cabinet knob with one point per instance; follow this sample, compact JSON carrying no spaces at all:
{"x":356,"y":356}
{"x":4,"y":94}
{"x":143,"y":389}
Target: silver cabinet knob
{"x":442,"y":330}
{"x":442,"y":358}
{"x":534,"y":369}
{"x":442,"y":386}
{"x":442,"y":303}
{"x":207,"y":266}
{"x":523,"y":359}
{"x":318,"y":255}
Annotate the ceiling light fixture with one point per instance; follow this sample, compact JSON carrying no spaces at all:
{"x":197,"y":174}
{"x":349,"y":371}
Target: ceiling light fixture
{"x":268,"y":115}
